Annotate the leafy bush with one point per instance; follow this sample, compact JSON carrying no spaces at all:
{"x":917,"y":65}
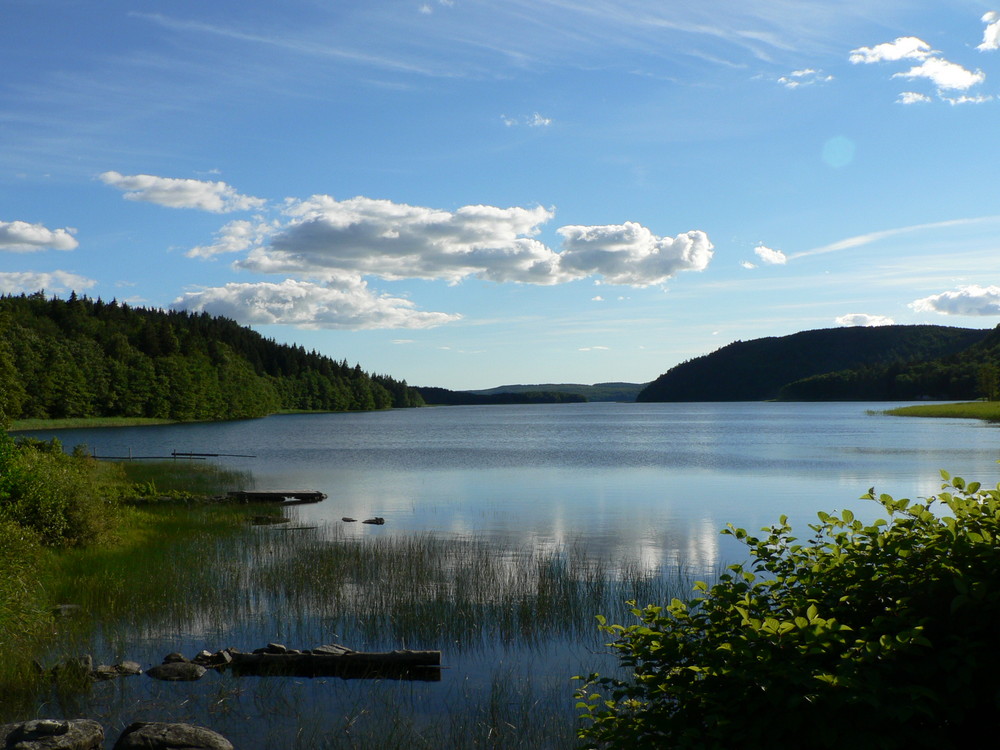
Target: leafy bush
{"x":65,"y":500}
{"x":880,"y":635}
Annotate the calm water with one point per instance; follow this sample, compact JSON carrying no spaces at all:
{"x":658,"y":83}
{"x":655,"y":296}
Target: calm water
{"x":649,"y":481}
{"x":652,"y":484}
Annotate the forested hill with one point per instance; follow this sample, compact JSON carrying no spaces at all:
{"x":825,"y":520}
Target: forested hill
{"x":759,"y":369}
{"x":87,"y":358}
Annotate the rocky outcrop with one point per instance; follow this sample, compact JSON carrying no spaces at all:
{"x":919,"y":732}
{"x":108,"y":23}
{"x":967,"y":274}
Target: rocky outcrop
{"x":52,"y":734}
{"x":146,"y":735}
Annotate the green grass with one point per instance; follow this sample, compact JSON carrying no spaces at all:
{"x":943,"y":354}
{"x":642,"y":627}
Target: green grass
{"x":987,"y":410}
{"x":22,"y":425}
{"x":155,"y":478}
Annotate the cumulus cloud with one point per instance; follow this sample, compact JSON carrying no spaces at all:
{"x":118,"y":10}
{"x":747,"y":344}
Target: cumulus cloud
{"x":863,"y":319}
{"x":769,"y":256}
{"x":967,"y":300}
{"x":944,"y":74}
{"x":991,"y":34}
{"x":234,"y":237}
{"x":216,"y":197}
{"x":748,"y":265}
{"x":365,"y":236}
{"x":22,"y":237}
{"x":56,"y":281}
{"x":912,"y":97}
{"x":903,"y":48}
{"x":804,"y":77}
{"x":342,"y":303}
{"x":630,"y":253}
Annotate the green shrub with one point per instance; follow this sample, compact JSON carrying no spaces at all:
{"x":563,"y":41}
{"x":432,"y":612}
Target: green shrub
{"x":880,"y":635}
{"x":65,"y":500}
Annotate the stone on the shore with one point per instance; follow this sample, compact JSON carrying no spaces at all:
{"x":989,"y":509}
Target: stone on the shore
{"x":143,"y":735}
{"x":51,"y":734}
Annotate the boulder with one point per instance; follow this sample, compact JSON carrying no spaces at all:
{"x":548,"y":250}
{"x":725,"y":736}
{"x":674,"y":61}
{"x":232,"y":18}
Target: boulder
{"x":51,"y":734}
{"x":177,"y":671}
{"x":144,"y":735}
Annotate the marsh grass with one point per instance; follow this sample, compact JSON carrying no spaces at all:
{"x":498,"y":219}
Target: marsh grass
{"x":986,"y":410}
{"x":513,"y":624}
{"x":153,"y":478}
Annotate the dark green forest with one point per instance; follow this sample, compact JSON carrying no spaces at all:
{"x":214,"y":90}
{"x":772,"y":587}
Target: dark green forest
{"x":82,"y":357}
{"x":884,"y":363}
{"x":445,"y":397}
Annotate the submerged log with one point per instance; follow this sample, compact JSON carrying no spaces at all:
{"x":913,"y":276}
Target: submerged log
{"x":347,"y":664}
{"x":285,"y":497}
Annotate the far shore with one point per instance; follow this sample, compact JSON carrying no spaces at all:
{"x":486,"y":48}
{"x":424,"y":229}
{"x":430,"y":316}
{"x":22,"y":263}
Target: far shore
{"x":73,"y":423}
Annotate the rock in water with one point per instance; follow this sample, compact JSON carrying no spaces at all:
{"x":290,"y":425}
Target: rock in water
{"x":147,"y":735}
{"x":49,"y":734}
{"x":177,"y":671}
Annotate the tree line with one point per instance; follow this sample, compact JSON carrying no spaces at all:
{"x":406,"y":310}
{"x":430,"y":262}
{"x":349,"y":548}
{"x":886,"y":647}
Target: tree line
{"x":83,"y":357}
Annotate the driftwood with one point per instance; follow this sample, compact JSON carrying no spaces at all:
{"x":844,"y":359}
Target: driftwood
{"x":285,"y":497}
{"x":401,"y":665}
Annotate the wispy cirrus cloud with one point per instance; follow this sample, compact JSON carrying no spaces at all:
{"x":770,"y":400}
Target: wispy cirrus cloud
{"x":866,"y":239}
{"x":205,"y":195}
{"x":23,"y":237}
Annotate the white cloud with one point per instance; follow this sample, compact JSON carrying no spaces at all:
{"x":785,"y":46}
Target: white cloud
{"x":22,"y":237}
{"x":944,"y":74}
{"x":863,"y":319}
{"x":967,"y":300}
{"x":592,"y":349}
{"x":903,"y":48}
{"x":964,"y":99}
{"x":748,"y":265}
{"x":56,"y":281}
{"x":598,"y":298}
{"x":324,"y":236}
{"x":234,"y":237}
{"x":342,"y":303}
{"x":217,"y":197}
{"x":804,"y":77}
{"x":535,"y":120}
{"x":769,"y":256}
{"x":991,"y":34}
{"x":912,"y":97}
{"x":631,"y":254}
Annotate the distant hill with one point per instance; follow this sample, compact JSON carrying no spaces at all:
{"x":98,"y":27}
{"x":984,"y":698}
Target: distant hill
{"x":444,"y":397}
{"x":595,"y":392}
{"x":767,"y":368}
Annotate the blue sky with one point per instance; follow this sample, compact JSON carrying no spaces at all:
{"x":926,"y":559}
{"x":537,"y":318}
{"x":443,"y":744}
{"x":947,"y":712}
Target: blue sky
{"x":467,"y":193}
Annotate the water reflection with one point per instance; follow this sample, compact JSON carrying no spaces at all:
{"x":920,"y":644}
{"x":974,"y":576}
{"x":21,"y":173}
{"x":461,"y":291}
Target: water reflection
{"x":650,"y":482}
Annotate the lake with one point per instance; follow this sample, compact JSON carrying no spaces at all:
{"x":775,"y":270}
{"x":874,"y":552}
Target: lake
{"x":654,"y":482}
{"x":643,"y":487}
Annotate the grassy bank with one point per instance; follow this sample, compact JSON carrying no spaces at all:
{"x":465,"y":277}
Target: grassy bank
{"x":986,"y":410}
{"x":24,"y":425}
